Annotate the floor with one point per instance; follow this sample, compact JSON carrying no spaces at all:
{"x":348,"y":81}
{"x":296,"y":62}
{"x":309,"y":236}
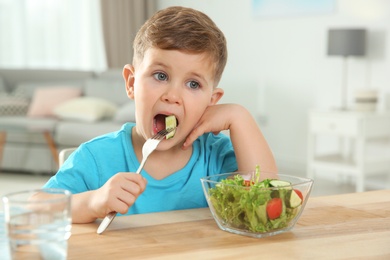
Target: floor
{"x":10,"y":182}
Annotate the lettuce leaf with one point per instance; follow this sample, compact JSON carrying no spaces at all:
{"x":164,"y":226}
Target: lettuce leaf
{"x":246,"y":207}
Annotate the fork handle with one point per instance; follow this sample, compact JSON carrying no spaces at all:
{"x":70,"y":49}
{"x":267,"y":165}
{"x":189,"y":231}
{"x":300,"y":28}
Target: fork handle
{"x":106,"y":222}
{"x":141,"y":165}
{"x":110,"y":216}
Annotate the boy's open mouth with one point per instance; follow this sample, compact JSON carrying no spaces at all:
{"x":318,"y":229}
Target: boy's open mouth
{"x":159,"y":122}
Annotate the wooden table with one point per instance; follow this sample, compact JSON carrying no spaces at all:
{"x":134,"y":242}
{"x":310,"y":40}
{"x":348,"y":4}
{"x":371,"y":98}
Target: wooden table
{"x":353,"y":226}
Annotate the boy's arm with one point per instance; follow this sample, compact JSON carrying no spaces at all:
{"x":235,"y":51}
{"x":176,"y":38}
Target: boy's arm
{"x":81,"y":211}
{"x":249,"y":144}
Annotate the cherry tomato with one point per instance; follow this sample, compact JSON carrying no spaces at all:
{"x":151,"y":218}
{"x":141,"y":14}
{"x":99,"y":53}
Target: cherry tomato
{"x":299,"y":193}
{"x":248,"y":183}
{"x":274,"y":208}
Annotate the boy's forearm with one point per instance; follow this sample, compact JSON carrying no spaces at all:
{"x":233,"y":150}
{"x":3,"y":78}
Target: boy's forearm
{"x":81,"y":211}
{"x":249,"y":144}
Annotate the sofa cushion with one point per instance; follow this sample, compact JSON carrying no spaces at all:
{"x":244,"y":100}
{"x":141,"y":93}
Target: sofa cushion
{"x":126,"y":113}
{"x":113,"y":90}
{"x":46,"y":99}
{"x":20,"y":123}
{"x":71,"y":134}
{"x":87,"y":109}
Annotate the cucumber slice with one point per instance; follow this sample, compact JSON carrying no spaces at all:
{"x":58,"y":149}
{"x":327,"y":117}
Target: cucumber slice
{"x":294,"y":201}
{"x":293,"y":211}
{"x":170,"y":122}
{"x":279,"y":183}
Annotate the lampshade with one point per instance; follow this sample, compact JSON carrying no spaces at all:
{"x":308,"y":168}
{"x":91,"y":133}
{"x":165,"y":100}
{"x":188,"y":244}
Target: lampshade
{"x":346,"y":42}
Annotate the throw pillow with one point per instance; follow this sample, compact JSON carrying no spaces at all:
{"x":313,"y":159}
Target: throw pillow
{"x":126,"y":113}
{"x":46,"y":99}
{"x":88,"y":109}
{"x":11,"y":105}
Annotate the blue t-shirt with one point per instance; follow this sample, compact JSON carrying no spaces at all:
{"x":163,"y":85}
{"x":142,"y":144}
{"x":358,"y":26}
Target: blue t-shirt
{"x":97,"y":160}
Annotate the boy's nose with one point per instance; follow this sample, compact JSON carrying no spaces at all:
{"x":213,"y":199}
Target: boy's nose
{"x":172,"y":95}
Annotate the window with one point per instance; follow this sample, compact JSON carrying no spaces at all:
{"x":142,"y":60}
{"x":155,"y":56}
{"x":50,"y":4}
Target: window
{"x":55,"y":34}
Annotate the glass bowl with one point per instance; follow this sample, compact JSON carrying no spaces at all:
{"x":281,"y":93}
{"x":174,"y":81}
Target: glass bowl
{"x":244,"y":208}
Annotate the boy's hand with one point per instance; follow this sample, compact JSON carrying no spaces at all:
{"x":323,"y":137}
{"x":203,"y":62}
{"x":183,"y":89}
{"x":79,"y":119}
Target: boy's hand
{"x":250,"y":146}
{"x":117,"y":194}
{"x":215,"y":119}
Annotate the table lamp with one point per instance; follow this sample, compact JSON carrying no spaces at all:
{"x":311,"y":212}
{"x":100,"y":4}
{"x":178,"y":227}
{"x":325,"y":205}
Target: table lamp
{"x":346,"y":42}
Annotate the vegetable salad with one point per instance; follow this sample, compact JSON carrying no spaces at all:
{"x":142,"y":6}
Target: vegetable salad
{"x":257,"y":206}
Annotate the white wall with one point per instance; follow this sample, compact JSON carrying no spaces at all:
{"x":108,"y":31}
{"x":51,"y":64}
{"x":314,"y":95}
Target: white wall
{"x":283,"y":62}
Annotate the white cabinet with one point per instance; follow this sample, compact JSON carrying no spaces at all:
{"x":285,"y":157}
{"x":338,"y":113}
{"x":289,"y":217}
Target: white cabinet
{"x":353,"y":132}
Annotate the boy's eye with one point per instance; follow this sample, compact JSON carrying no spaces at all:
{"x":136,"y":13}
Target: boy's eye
{"x":193,"y":84}
{"x":160,"y":76}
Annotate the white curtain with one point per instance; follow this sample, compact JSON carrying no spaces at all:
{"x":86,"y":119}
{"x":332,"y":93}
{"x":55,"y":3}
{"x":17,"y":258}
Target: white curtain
{"x":55,"y":34}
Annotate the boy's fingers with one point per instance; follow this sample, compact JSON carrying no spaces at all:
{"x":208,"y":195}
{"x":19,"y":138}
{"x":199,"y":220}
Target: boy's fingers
{"x":133,"y":188}
{"x":195,"y":133}
{"x":123,"y":206}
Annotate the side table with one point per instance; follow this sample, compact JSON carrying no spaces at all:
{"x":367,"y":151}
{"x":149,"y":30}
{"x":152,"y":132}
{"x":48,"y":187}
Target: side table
{"x":358,"y":127}
{"x":43,"y":127}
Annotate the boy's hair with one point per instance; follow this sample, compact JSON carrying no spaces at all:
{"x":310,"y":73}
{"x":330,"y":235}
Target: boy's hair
{"x":183,"y":29}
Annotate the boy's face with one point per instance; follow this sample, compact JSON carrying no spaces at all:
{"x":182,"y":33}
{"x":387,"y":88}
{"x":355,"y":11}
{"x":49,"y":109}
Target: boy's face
{"x":171,"y":82}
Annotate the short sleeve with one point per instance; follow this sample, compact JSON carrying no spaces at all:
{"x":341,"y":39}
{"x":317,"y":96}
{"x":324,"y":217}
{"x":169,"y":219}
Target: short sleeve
{"x":79,"y":173}
{"x":219,"y":149}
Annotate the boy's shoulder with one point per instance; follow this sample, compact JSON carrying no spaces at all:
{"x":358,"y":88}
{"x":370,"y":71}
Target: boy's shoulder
{"x":111,"y":137}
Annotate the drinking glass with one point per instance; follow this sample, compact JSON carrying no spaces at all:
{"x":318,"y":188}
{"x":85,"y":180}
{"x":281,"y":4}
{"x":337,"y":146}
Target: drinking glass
{"x":38,"y":223}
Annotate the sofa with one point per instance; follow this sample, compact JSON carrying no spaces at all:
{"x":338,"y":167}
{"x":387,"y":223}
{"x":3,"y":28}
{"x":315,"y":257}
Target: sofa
{"x":45,"y":111}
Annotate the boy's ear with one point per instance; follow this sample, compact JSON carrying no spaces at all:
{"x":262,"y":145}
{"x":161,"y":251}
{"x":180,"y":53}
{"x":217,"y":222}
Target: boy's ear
{"x":216,"y":96}
{"x":128,"y":76}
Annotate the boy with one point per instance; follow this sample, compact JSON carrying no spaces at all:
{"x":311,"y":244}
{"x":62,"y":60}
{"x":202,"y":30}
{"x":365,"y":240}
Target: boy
{"x":179,"y":57}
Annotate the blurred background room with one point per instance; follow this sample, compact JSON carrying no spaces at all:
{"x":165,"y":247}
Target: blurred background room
{"x":314,"y":74}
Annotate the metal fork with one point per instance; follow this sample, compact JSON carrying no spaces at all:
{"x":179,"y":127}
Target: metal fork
{"x":149,"y":146}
